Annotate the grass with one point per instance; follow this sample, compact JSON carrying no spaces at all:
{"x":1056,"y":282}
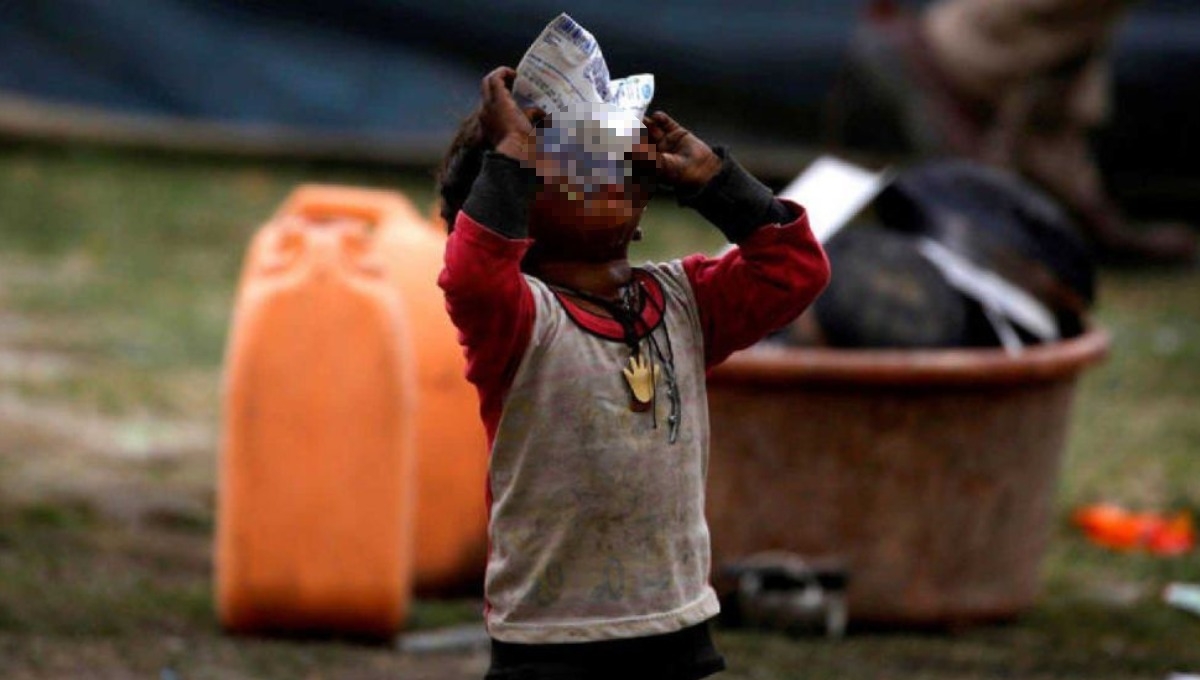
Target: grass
{"x":117,"y":274}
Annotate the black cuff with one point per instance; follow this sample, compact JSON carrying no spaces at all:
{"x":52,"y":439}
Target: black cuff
{"x":735,"y":202}
{"x":501,"y":194}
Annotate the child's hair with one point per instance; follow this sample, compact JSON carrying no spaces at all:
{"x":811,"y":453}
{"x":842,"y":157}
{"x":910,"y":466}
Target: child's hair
{"x":460,"y":167}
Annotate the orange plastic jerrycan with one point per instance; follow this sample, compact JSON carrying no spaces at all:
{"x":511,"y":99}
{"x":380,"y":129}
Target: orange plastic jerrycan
{"x":451,"y":537}
{"x":451,"y":444}
{"x":315,"y":522}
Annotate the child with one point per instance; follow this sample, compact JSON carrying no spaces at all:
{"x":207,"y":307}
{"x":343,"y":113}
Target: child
{"x":591,"y":381}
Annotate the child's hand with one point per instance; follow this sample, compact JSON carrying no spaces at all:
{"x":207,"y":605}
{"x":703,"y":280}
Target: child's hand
{"x":683,"y":160}
{"x":507,"y":127}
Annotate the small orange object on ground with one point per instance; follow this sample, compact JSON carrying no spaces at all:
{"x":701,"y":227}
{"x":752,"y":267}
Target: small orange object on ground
{"x":1114,"y":527}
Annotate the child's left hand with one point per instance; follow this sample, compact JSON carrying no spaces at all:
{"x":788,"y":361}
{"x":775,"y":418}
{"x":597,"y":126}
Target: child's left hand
{"x":684,"y":161}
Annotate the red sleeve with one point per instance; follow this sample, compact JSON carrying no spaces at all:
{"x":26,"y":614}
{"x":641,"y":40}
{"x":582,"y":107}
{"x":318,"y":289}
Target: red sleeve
{"x":491,"y":304}
{"x":758,"y":287}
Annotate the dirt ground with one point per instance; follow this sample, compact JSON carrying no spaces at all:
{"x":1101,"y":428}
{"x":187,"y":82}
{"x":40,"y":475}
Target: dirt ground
{"x":113,"y":312}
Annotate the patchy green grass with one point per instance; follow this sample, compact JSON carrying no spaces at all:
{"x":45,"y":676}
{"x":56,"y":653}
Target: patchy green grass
{"x":117,"y":273}
{"x":1136,"y":436}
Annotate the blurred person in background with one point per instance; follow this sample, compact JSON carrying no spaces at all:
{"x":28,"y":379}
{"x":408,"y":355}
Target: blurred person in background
{"x":1020,"y":84}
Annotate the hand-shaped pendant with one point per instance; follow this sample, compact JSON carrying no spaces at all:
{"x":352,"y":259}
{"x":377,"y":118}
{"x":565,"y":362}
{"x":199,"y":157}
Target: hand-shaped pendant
{"x":641,"y":382}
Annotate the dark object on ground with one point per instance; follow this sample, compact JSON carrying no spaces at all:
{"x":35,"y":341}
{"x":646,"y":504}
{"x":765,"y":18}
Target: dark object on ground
{"x":1002,"y":224}
{"x":884,"y":293}
{"x":782,"y":591}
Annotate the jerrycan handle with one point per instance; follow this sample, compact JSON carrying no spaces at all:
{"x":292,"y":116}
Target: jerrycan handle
{"x":325,"y":202}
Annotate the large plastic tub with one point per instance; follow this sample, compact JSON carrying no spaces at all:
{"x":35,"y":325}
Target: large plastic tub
{"x":930,"y":474}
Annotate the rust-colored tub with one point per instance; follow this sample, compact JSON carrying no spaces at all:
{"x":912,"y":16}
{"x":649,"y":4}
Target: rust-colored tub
{"x":931,"y":474}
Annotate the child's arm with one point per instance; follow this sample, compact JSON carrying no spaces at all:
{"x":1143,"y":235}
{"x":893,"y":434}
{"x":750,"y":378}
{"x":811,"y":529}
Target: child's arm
{"x":774,"y":274}
{"x":488,"y":299}
{"x":778,"y":268}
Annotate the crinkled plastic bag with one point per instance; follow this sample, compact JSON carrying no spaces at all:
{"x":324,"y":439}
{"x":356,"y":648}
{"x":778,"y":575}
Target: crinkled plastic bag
{"x":593,"y":121}
{"x":565,"y":67}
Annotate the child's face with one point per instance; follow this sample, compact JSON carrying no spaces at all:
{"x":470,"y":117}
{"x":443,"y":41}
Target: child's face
{"x":592,"y":218}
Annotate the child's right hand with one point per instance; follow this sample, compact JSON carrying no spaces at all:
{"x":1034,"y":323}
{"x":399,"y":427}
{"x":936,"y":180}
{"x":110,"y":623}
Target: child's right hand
{"x":509,"y":129}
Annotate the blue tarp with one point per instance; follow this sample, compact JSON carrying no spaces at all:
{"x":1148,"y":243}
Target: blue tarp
{"x":390,"y":78}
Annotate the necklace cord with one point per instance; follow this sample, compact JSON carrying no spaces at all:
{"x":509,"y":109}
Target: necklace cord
{"x":627,"y":313}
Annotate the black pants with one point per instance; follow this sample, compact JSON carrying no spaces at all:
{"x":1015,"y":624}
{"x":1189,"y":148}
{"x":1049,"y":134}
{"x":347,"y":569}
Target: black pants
{"x":688,"y":654}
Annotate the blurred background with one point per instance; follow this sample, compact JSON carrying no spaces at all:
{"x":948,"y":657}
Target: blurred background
{"x":387,"y":80}
{"x":142,"y":144}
